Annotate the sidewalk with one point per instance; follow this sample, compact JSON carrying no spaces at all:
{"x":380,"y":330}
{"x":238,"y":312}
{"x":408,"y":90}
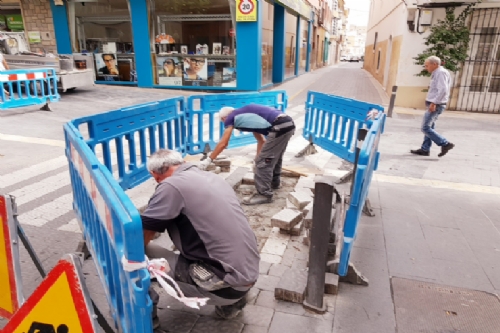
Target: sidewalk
{"x":437,"y":220}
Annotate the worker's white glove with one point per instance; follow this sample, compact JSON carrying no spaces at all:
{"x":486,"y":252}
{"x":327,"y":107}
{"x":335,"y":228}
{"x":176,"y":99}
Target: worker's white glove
{"x":372,"y":115}
{"x":205,"y":163}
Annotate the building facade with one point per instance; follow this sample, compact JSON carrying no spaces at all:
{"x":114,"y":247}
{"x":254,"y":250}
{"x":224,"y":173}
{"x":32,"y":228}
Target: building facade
{"x":186,"y":44}
{"x":396,"y":35}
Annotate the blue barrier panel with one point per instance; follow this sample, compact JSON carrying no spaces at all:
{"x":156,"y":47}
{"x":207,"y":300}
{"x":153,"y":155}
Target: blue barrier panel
{"x":332,"y":122}
{"x":23,"y":87}
{"x":203,"y":108}
{"x":126,"y":137}
{"x":367,"y":163}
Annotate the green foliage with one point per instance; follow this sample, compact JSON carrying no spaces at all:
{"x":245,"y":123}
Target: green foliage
{"x":449,"y":40}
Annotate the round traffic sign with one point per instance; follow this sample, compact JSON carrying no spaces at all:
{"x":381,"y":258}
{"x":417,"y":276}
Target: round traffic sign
{"x":246,"y":6}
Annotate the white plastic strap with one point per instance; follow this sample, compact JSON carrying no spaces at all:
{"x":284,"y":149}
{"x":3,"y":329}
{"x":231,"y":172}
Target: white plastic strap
{"x":158,"y":268}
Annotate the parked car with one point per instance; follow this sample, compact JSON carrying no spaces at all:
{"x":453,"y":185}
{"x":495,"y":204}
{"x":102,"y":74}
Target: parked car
{"x":354,"y":59}
{"x":344,"y":58}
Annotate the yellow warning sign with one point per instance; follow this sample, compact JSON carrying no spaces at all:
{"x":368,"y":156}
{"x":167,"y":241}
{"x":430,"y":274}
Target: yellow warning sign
{"x":10,"y":282}
{"x":57,"y":305}
{"x":246,"y":10}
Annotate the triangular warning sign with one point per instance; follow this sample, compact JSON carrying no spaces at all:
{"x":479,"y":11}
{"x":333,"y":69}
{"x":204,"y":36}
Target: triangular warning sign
{"x":58,"y":305}
{"x":10,"y":271}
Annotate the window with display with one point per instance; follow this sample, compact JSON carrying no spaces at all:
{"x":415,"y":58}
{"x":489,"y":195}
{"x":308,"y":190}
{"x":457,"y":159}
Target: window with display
{"x":104,"y":29}
{"x":304,"y":31}
{"x":194,"y":43}
{"x":290,"y":44}
{"x":267,"y":42}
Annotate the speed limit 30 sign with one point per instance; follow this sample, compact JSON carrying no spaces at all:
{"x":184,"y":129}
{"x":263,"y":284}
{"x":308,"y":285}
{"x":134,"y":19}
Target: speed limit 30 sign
{"x":246,"y":10}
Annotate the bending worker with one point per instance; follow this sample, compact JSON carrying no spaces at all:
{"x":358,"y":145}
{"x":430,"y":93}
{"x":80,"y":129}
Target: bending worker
{"x":218,"y":259}
{"x":262,"y":121}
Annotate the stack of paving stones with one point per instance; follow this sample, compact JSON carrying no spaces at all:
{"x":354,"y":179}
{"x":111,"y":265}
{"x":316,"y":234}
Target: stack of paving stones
{"x":220,"y":164}
{"x":292,"y":221}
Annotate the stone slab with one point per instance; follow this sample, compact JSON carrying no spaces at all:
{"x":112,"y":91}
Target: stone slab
{"x":212,"y":324}
{"x":289,"y":323}
{"x":264,"y":267}
{"x":286,"y":219}
{"x":308,"y":220}
{"x":235,"y":178}
{"x":278,"y":270}
{"x":248,"y":179}
{"x":308,"y":208}
{"x":300,"y":199}
{"x":331,"y":284}
{"x":267,"y":282}
{"x":292,"y":286}
{"x":222,"y":162}
{"x":256,"y":315}
{"x":275,"y":246}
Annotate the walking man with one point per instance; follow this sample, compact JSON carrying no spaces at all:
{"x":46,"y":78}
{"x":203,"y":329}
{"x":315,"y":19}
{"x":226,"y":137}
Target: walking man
{"x":218,"y":258}
{"x":437,"y":98}
{"x":262,"y":121}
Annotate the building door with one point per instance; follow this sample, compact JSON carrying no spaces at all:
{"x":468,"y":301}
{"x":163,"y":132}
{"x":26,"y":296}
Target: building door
{"x":479,"y":88}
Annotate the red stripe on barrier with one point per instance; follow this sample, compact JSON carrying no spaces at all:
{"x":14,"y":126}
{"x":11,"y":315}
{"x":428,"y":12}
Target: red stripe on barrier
{"x":31,"y":76}
{"x":13,"y":77}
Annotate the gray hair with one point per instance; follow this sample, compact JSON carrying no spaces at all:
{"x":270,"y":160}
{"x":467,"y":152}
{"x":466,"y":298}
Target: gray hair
{"x":434,"y":60}
{"x":225,"y":111}
{"x":163,"y":159}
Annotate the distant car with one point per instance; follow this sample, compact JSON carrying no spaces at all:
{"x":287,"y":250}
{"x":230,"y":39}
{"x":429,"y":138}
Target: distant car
{"x":354,"y":59}
{"x":344,"y":58}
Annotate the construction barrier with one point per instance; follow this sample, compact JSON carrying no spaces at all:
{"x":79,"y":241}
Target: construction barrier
{"x":202,"y":109}
{"x":107,"y":154}
{"x":367,"y":163}
{"x":24,"y":87}
{"x":332,"y":122}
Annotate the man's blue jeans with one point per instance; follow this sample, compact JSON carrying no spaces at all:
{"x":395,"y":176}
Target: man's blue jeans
{"x":428,"y":124}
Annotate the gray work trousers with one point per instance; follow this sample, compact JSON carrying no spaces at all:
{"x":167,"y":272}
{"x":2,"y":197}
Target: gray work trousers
{"x":190,"y":290}
{"x":268,"y":163}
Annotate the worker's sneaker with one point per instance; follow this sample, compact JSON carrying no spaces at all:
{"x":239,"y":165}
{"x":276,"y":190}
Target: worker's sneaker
{"x":420,"y":152}
{"x":231,"y":311}
{"x":257,"y":199}
{"x":446,"y":148}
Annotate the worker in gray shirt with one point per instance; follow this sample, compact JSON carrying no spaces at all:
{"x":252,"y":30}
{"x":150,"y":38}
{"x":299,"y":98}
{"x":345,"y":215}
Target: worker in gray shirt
{"x":437,"y":98}
{"x":218,"y":259}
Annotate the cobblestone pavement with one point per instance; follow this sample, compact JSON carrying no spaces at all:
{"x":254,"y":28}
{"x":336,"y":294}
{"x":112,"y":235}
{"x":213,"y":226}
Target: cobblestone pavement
{"x":436,"y":219}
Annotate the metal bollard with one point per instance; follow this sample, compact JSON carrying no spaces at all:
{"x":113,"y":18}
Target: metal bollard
{"x":318,"y":250}
{"x":392,"y":101}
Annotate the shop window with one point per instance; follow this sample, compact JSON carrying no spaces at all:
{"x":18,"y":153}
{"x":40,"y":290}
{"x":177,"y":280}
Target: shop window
{"x":103,"y":28}
{"x":290,"y":44}
{"x":267,"y":42}
{"x":304,"y":28}
{"x":194,"y":43}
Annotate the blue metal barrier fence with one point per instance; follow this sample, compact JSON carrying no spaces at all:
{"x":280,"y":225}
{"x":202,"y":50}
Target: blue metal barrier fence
{"x":203,"y":108}
{"x":332,"y":122}
{"x":367,"y":163}
{"x":107,"y":154}
{"x":23,"y":87}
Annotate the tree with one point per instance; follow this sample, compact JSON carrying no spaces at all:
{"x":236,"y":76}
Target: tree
{"x":449,"y":40}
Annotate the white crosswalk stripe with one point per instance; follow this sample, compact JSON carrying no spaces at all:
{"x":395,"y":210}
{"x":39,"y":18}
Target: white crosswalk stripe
{"x":23,"y":174}
{"x":41,"y":188}
{"x":47,"y":212}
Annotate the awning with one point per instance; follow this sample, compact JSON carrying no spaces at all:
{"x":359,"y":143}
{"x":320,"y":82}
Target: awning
{"x":298,"y":6}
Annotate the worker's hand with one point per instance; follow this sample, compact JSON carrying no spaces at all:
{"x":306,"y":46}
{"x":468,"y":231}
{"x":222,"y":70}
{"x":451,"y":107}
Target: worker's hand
{"x":432,"y":107}
{"x":372,"y":115}
{"x":205,"y":163}
{"x":114,"y":71}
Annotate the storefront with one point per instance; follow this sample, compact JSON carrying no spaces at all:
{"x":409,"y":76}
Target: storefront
{"x":209,"y":45}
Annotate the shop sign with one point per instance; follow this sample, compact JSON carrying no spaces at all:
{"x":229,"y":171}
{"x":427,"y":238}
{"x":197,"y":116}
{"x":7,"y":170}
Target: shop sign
{"x":15,"y":22}
{"x":34,"y":37}
{"x":246,"y":10}
{"x":298,"y":6}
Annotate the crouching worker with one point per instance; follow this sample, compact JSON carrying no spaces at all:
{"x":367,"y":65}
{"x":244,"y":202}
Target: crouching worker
{"x":218,"y":259}
{"x":261,"y":121}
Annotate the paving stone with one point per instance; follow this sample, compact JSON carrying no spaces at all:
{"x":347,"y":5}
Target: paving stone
{"x":290,"y":205}
{"x":248,"y":179}
{"x":252,"y":295}
{"x":222,"y":162}
{"x":286,"y":219}
{"x":246,"y":189}
{"x":235,"y":178}
{"x":297,"y":230}
{"x":331,"y":284}
{"x":271,"y":258}
{"x":278,"y":270}
{"x":299,"y":264}
{"x":221,"y":157}
{"x":292,"y":286}
{"x":308,"y":220}
{"x":300,"y":199}
{"x":264,"y":267}
{"x":289,"y":323}
{"x":214,"y":325}
{"x":254,"y":329}
{"x":305,"y":183}
{"x":256,"y":315}
{"x":266,"y":282}
{"x":275,"y":246}
{"x":225,"y":168}
{"x":177,"y":321}
{"x":308,"y":208}
{"x":267,"y":300}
